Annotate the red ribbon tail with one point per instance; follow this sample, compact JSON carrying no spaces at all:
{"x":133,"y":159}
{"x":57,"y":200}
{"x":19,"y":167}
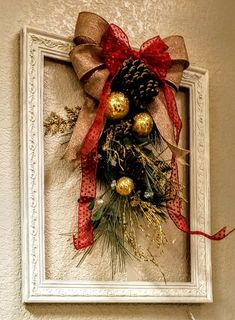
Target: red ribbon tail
{"x":182,"y":224}
{"x":174,"y":212}
{"x":172,"y":110}
{"x":221,"y":234}
{"x":89,"y":162}
{"x":85,"y":236}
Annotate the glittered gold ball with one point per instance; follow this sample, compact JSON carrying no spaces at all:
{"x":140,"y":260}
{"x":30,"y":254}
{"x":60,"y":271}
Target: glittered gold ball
{"x":143,"y":124}
{"x":117,"y":106}
{"x":124,"y":186}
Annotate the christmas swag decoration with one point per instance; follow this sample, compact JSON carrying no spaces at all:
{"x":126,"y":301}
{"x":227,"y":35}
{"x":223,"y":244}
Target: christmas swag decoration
{"x":119,"y":136}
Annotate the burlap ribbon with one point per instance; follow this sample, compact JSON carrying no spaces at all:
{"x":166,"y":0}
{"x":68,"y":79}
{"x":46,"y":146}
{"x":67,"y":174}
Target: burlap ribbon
{"x":88,"y":62}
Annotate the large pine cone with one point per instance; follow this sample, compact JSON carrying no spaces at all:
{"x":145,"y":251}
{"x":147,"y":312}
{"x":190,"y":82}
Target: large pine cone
{"x":136,"y":81}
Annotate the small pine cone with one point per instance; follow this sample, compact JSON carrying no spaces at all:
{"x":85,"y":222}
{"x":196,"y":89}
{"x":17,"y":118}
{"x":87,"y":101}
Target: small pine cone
{"x":122,"y":129}
{"x":133,"y":167}
{"x":136,"y":81}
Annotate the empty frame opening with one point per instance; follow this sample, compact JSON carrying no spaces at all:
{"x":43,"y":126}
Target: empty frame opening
{"x":61,"y":184}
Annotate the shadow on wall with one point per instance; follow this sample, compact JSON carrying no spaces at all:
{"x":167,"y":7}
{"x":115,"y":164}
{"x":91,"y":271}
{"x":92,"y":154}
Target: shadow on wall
{"x":112,"y":311}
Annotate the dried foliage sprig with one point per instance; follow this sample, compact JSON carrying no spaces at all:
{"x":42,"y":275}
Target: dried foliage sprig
{"x":56,"y":124}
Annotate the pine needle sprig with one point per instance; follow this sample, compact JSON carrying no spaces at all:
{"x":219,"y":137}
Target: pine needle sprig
{"x":121,"y":221}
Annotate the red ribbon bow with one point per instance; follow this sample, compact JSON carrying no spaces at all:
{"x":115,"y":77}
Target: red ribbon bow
{"x":153,"y":53}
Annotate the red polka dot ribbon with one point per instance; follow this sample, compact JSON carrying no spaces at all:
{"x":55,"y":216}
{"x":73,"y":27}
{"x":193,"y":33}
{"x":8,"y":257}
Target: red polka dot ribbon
{"x":89,"y":161}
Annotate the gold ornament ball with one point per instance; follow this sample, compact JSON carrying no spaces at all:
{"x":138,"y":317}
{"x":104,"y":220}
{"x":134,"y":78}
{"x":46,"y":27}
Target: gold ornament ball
{"x":125,"y":186}
{"x":117,"y":106}
{"x":143,"y":124}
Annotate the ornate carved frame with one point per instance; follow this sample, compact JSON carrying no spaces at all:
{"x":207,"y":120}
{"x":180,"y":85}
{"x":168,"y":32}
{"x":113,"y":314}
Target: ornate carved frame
{"x":35,"y":46}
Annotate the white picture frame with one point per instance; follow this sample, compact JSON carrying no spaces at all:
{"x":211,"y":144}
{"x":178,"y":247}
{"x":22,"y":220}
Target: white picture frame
{"x":35,"y":46}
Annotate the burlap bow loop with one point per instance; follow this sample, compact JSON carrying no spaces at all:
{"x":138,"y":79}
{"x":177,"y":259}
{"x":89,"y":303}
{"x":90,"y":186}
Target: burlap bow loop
{"x":87,"y":56}
{"x":90,"y":28}
{"x":89,"y":64}
{"x":86,"y":59}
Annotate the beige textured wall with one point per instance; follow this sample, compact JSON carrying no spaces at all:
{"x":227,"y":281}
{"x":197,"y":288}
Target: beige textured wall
{"x":209,"y":31}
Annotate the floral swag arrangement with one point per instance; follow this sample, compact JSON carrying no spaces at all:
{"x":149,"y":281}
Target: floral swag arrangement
{"x":119,"y":137}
